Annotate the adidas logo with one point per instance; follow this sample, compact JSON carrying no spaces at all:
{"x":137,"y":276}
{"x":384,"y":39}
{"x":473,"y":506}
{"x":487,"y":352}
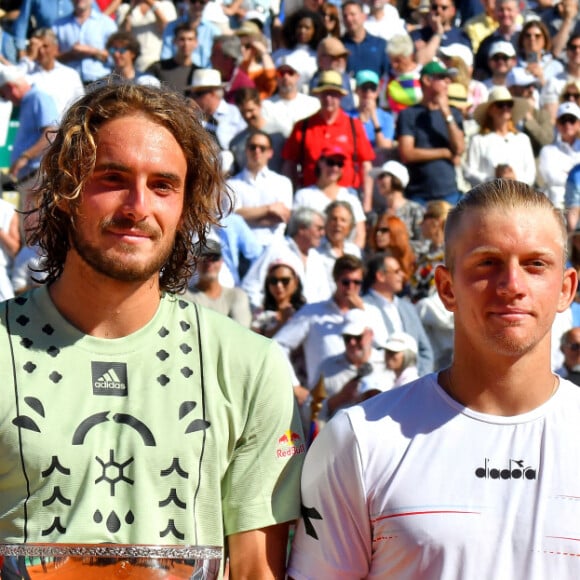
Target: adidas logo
{"x":109,"y":379}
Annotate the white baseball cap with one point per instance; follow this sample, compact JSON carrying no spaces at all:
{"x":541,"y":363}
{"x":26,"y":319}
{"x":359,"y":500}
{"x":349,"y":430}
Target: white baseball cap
{"x":568,"y":108}
{"x":458,"y":50}
{"x":356,"y":321}
{"x":520,"y":77}
{"x":502,"y":47}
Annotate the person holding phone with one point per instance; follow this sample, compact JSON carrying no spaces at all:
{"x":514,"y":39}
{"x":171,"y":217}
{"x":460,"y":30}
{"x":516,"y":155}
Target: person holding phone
{"x":534,"y":52}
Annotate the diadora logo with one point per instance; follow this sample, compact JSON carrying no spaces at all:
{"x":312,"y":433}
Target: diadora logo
{"x":110,"y":379}
{"x":515,"y":469}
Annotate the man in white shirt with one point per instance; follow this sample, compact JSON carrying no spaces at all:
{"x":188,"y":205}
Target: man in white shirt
{"x":303,"y":236}
{"x":461,"y":474}
{"x":262,"y":196}
{"x":318,"y":327}
{"x":385,"y":279}
{"x":61,"y":82}
{"x":289,"y":105}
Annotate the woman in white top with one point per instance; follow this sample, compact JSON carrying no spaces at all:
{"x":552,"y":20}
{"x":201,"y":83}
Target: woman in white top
{"x":558,"y":158}
{"x":326,"y":190}
{"x":499,"y":143}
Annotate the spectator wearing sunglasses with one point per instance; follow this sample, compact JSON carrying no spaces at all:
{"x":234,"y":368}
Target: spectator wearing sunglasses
{"x":558,"y":158}
{"x":261,"y":196}
{"x":550,"y":96}
{"x":499,"y":142}
{"x":330,"y":126}
{"x":536,"y":123}
{"x":570,"y":347}
{"x":124,"y":50}
{"x":391,"y":180}
{"x":439,"y":31}
{"x":384,"y":281}
{"x":349,"y":376}
{"x":303,"y":236}
{"x":82,"y":37}
{"x":327,"y":189}
{"x":318,"y":327}
{"x":501,"y":60}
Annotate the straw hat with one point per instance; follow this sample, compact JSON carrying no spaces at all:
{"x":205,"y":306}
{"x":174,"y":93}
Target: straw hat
{"x":329,"y":80}
{"x":499,"y":95}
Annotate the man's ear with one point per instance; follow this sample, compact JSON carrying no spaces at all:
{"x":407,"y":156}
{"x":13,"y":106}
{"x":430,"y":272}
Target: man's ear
{"x":569,"y":286}
{"x":444,"y":283}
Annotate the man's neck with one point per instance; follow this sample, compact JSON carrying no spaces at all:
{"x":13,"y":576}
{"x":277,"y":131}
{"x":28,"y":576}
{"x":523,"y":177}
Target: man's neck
{"x":183,"y":59}
{"x":102,"y":307}
{"x":358,"y":35}
{"x":381,"y":291}
{"x":289,"y":96}
{"x":255,"y":169}
{"x":195,"y":20}
{"x":210,"y":286}
{"x":574,"y":69}
{"x":49,"y":66}
{"x":82,"y":15}
{"x":503,"y":385}
{"x":329,"y":116}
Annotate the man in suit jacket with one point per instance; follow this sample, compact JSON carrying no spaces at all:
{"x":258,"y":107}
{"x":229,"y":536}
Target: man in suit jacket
{"x":384,"y":280}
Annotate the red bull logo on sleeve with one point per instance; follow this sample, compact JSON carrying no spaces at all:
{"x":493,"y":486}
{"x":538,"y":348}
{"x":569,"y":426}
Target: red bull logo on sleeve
{"x":290,"y":443}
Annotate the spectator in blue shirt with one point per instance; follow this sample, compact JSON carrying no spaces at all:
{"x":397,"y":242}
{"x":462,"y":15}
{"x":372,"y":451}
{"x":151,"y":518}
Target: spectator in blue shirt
{"x":206,"y":32}
{"x":82,"y":37}
{"x":45,"y":14}
{"x":367,"y":52}
{"x":572,"y":198}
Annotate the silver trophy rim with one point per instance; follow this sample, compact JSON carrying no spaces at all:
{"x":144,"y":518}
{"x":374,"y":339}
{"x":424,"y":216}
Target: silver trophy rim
{"x":176,"y":552}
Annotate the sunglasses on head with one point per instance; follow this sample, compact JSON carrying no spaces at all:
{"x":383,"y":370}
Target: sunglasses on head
{"x":284,"y":280}
{"x":333,"y":162}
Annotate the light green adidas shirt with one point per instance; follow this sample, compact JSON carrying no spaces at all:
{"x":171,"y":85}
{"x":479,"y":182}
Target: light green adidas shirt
{"x":137,"y":440}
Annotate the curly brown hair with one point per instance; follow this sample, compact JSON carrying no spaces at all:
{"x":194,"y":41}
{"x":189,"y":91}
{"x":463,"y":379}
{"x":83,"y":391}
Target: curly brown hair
{"x":70,"y":159}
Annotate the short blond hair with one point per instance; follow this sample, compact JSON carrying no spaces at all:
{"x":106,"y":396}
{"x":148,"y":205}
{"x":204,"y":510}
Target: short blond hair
{"x":505,"y":195}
